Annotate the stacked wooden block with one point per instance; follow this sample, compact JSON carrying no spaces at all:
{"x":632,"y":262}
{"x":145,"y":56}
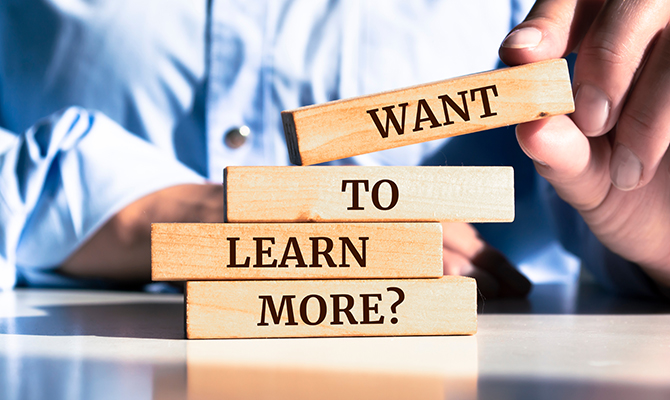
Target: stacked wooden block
{"x":353,"y":251}
{"x":323,"y":251}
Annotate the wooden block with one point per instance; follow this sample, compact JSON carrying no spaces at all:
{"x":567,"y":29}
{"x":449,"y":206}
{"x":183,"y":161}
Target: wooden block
{"x":346,"y":128}
{"x":295,"y":251}
{"x":401,"y":307}
{"x":318,"y":194}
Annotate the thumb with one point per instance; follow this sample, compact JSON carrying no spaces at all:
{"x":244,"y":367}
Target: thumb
{"x":577,"y":166}
{"x":552,"y":29}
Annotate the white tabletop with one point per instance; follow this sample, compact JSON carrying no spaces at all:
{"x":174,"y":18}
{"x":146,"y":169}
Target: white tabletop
{"x":561,"y":343}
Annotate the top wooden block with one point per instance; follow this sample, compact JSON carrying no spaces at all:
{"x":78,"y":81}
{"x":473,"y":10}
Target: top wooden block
{"x":473,"y":103}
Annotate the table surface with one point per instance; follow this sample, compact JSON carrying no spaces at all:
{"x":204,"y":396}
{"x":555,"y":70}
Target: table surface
{"x":562,"y":342}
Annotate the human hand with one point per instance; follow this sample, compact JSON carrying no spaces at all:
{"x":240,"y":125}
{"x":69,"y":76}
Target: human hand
{"x":609,"y":159}
{"x":465,"y":253}
{"x":121,"y":249}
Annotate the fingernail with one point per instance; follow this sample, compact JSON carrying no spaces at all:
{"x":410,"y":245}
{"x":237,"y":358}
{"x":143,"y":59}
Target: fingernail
{"x":592,"y":108}
{"x":625,"y":168}
{"x":523,"y":38}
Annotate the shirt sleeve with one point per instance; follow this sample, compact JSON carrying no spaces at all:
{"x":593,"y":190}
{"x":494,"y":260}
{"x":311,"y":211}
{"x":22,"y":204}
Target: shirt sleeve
{"x":63,"y":178}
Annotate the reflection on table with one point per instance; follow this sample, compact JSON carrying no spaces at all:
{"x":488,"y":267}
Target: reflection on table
{"x":563,"y":342}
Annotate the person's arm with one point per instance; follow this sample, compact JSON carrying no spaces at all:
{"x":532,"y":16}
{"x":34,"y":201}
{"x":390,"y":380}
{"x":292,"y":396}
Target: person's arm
{"x":121,"y":249}
{"x":63,"y":179}
{"x":609,"y":160}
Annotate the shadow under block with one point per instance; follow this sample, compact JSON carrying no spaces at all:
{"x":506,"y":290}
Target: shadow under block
{"x":181,"y":251}
{"x":345,"y":128}
{"x":320,"y":308}
{"x":379,"y":194}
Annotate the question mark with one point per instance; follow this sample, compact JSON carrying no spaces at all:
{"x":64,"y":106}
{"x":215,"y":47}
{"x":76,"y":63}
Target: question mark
{"x":394,"y":306}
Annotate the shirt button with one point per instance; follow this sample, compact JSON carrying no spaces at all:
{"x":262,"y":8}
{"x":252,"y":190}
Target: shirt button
{"x":236,"y":137}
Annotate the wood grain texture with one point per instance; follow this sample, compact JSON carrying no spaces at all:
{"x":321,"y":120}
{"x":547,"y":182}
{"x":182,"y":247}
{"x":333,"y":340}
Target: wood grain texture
{"x":346,"y":128}
{"x":320,"y":308}
{"x":328,"y":194}
{"x":345,"y":251}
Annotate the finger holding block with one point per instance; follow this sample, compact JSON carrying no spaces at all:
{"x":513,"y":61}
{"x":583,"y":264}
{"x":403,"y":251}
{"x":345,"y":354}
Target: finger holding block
{"x":345,"y":128}
{"x":402,"y":307}
{"x":295,"y":251}
{"x":380,"y":194}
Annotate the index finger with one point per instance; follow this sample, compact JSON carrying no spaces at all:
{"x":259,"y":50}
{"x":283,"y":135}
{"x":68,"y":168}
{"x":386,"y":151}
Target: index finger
{"x":552,"y":29}
{"x":610,"y":54}
{"x":613,"y":38}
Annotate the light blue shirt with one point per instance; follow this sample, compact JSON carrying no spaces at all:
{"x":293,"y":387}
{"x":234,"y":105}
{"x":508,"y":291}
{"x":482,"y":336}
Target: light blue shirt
{"x":104,"y":102}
